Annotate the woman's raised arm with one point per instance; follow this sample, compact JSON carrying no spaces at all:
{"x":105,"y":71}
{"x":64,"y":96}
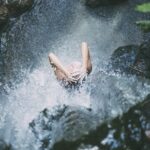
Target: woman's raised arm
{"x":86,"y":60}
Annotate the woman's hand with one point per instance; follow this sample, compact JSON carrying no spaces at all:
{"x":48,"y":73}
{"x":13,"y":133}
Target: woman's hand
{"x":75,"y":76}
{"x":71,"y":78}
{"x":83,"y":74}
{"x":80,"y":74}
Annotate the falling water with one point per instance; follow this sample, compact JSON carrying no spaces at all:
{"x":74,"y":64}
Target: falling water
{"x":60,"y":27}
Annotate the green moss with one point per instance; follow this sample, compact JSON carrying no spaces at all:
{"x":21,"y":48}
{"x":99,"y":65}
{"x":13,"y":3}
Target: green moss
{"x":145,"y":8}
{"x":144,"y":25}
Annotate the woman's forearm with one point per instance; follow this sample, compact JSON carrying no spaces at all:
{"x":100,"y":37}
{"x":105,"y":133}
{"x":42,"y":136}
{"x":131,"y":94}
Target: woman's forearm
{"x":54,"y":60}
{"x":85,"y":55}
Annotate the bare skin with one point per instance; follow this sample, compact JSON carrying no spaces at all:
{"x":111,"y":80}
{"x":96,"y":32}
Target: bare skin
{"x":76,"y":70}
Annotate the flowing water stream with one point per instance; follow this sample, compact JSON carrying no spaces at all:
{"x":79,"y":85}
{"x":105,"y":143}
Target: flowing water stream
{"x":60,"y":27}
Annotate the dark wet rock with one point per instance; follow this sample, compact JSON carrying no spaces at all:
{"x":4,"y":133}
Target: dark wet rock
{"x":142,"y":60}
{"x":132,"y":59}
{"x":95,"y":3}
{"x":74,"y":128}
{"x":62,"y":126}
{"x":130,"y":128}
{"x":12,"y":8}
{"x":122,"y":133}
{"x":4,"y":145}
{"x":17,"y":7}
{"x":4,"y":16}
{"x":123,"y":57}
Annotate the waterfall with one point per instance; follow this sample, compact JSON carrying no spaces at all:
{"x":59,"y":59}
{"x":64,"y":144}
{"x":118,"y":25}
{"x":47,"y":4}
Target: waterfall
{"x":60,"y":27}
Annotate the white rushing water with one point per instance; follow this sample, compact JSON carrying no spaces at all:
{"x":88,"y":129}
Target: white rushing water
{"x":108,"y":94}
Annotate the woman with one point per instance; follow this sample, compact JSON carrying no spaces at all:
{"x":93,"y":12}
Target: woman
{"x":76,"y":72}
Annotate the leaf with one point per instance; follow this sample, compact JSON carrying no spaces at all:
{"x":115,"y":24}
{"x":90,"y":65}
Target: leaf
{"x":145,"y":8}
{"x":144,"y":25}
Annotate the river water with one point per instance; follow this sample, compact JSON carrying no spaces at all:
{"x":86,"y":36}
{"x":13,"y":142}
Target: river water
{"x":29,"y":84}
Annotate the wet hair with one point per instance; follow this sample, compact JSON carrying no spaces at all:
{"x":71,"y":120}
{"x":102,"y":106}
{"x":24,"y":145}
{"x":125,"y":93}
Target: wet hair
{"x":72,"y":86}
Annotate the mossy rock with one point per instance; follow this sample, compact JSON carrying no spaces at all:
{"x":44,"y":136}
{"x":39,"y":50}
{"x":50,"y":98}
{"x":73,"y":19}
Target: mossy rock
{"x":144,"y":25}
{"x":145,"y":8}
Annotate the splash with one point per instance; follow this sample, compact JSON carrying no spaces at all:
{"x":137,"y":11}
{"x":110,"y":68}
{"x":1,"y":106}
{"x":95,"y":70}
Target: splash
{"x":60,"y":27}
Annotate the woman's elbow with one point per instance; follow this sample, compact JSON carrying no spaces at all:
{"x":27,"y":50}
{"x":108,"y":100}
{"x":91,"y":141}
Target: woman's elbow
{"x":89,"y":68}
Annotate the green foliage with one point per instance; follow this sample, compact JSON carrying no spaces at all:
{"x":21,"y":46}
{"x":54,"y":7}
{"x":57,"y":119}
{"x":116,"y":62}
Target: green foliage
{"x":144,"y":25}
{"x":145,"y":8}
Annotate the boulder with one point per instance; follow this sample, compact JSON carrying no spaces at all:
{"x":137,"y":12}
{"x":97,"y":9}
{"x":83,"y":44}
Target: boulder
{"x":132,"y":59}
{"x":95,"y":3}
{"x":76,"y":128}
{"x":63,"y":126}
{"x":124,"y":57}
